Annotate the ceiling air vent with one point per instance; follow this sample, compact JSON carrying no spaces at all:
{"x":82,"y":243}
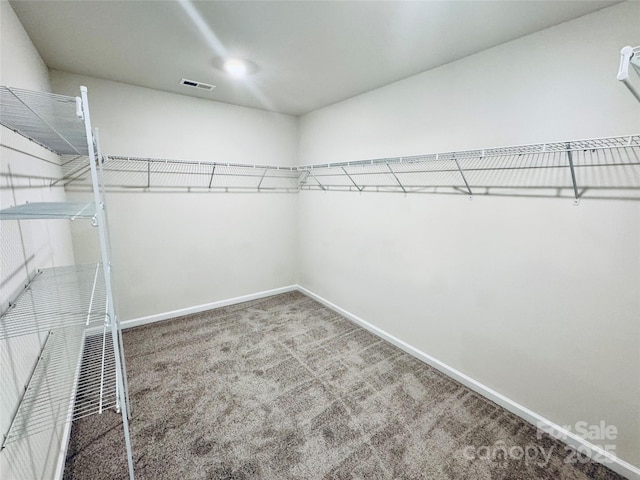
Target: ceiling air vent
{"x":194,"y":84}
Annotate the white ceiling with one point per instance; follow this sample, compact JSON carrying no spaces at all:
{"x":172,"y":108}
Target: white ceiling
{"x":309,"y":54}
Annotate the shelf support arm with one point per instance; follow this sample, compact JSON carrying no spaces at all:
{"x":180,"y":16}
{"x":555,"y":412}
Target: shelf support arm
{"x":576,"y":194}
{"x":76,"y":174}
{"x":352,"y":181}
{"x":397,"y":179}
{"x":324,"y":189}
{"x":464,"y":179}
{"x":301,"y":179}
{"x":213,"y":171}
{"x":262,"y":178}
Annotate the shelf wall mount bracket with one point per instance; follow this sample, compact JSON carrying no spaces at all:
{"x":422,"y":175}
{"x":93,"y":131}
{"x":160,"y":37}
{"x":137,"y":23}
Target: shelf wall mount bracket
{"x":404,"y":190}
{"x":104,"y":248}
{"x":628,"y":57}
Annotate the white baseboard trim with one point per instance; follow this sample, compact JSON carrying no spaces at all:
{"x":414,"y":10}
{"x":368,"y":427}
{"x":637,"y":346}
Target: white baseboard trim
{"x":136,"y":322}
{"x":570,"y":438}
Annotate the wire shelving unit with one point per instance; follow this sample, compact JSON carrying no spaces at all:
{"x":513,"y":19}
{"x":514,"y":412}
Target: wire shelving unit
{"x":78,"y":371}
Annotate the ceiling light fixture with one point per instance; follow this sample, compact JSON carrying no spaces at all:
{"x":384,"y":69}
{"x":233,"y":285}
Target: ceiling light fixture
{"x":236,"y":67}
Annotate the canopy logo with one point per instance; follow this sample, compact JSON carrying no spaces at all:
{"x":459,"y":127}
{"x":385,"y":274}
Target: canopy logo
{"x":600,"y":436}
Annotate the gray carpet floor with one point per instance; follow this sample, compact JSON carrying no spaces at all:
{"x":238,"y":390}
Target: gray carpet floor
{"x":284,"y":388}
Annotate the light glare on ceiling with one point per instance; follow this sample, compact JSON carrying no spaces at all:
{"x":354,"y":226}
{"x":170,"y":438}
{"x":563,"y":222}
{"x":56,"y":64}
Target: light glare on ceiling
{"x":236,"y":67}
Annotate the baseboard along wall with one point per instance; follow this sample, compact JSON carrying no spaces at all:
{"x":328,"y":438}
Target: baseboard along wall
{"x":136,"y":322}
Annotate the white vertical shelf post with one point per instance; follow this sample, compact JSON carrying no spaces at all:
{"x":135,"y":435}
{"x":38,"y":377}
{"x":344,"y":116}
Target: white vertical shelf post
{"x":114,"y":297}
{"x":106,"y":262}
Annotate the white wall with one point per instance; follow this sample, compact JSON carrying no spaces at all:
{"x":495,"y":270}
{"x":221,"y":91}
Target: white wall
{"x":178,"y":250}
{"x":554,"y":85}
{"x":535,"y":298}
{"x":20,"y":63}
{"x":139,"y":121}
{"x":24,"y":247}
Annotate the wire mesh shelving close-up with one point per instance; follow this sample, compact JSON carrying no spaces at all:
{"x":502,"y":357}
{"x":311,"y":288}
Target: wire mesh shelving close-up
{"x":97,"y":386}
{"x":55,"y":122}
{"x":56,"y":394}
{"x":57,"y":298}
{"x":606,"y":168}
{"x":136,"y":173}
{"x":63,"y":302}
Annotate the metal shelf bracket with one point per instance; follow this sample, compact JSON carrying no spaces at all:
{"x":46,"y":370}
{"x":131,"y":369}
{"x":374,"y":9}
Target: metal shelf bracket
{"x":628,"y":58}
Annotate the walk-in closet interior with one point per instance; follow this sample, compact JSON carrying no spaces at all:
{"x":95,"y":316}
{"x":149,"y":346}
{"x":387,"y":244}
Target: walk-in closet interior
{"x":309,"y":240}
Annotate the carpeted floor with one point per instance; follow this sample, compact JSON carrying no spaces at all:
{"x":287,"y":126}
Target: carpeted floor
{"x":284,"y":388}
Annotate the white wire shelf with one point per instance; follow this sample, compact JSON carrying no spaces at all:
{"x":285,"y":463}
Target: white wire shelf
{"x":50,"y":120}
{"x":97,"y":390}
{"x":596,"y":168}
{"x":139,"y":173}
{"x":577,"y":167}
{"x":49,"y":210}
{"x":63,"y":302}
{"x":58,"y":392}
{"x":57,"y":298}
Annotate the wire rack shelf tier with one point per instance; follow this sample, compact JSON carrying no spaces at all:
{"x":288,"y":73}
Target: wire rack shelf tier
{"x":56,"y":393}
{"x":49,"y":211}
{"x":53,"y":121}
{"x":57,"y":298}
